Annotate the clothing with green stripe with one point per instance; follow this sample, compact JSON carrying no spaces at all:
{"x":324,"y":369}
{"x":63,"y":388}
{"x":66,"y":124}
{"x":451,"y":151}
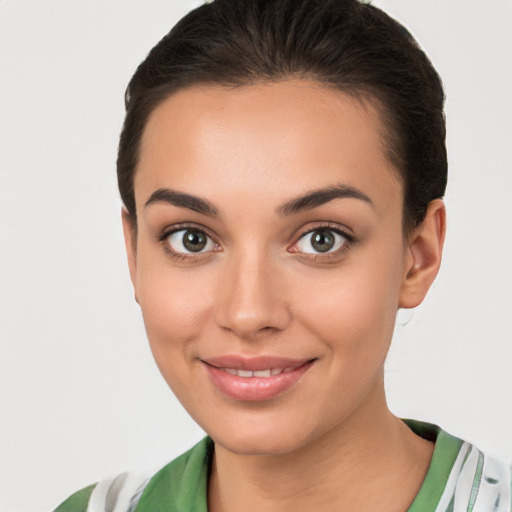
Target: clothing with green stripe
{"x":460,"y":479}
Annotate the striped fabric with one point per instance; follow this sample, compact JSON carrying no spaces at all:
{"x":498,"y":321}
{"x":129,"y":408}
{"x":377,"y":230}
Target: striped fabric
{"x":460,"y":479}
{"x":477,"y":483}
{"x":119,"y":494}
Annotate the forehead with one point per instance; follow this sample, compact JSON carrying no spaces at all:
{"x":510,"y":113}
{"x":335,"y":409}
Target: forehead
{"x":277,"y":138}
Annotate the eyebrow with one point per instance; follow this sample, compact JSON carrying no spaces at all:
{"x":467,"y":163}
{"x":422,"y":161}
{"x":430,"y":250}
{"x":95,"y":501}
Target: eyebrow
{"x":182,"y":200}
{"x":308,"y":201}
{"x":316,"y":198}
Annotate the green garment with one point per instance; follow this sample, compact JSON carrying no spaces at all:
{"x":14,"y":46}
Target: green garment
{"x":455,"y":479}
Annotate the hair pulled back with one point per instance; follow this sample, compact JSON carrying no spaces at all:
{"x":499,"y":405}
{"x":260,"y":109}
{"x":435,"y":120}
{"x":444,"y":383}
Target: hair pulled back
{"x":345,"y":44}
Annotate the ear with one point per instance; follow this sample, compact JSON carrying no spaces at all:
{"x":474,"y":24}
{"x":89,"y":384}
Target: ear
{"x":423,"y":258}
{"x":130,"y":242}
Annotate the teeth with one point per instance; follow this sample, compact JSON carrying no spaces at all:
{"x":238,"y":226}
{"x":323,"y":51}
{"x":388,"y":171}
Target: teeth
{"x":262,"y":373}
{"x":257,"y":373}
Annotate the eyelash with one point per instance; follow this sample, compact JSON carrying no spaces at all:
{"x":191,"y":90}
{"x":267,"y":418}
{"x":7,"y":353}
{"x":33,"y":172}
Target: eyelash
{"x":350,"y":240}
{"x":178,"y":256}
{"x":314,"y":257}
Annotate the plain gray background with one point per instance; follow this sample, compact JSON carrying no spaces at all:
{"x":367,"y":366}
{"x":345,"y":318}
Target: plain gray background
{"x":81,"y":397}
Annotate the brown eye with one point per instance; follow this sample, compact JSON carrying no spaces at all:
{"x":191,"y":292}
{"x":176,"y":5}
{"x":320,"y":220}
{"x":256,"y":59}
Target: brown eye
{"x":321,"y":241}
{"x":194,"y":241}
{"x":190,"y":241}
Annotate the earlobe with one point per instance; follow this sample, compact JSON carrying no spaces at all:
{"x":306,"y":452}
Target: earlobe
{"x":130,"y":242}
{"x":425,"y":249}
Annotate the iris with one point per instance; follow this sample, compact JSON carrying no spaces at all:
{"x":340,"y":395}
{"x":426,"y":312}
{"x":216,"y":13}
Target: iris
{"x":322,"y":240}
{"x":194,"y":241}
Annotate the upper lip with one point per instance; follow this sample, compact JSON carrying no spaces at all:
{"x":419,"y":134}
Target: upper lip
{"x":254,"y":363}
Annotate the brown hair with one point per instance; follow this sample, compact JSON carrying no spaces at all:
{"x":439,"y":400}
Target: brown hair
{"x":345,"y":44}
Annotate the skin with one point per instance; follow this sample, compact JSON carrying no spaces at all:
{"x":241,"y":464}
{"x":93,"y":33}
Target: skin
{"x":329,"y":442}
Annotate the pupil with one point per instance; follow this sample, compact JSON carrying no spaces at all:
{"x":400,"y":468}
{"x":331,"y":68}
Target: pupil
{"x":194,"y":241}
{"x":322,"y":241}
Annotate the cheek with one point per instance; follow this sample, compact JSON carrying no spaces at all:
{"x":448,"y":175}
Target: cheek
{"x":174,"y":302}
{"x":353,"y":308}
{"x":175,"y":308}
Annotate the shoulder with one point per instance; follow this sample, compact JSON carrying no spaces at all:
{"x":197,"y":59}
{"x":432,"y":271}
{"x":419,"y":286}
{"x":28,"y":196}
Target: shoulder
{"x":125,"y":491}
{"x":460,"y":476}
{"x":76,"y":502}
{"x":479,"y":481}
{"x":122,"y":492}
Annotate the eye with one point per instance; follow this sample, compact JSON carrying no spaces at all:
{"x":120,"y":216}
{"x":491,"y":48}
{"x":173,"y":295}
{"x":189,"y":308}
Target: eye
{"x":321,"y":241}
{"x":189,"y":241}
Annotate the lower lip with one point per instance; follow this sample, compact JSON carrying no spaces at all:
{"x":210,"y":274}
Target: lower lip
{"x":255,"y":389}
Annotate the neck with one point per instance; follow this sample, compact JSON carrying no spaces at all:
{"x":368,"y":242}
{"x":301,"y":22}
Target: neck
{"x":370,"y":462}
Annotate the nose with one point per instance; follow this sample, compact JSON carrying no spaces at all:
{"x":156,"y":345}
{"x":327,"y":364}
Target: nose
{"x":251,"y":297}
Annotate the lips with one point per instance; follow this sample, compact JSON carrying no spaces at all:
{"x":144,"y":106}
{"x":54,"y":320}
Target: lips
{"x":255,"y":379}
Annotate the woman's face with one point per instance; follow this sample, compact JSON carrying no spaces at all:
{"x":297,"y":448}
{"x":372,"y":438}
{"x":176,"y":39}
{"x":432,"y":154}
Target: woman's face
{"x":269,"y":259}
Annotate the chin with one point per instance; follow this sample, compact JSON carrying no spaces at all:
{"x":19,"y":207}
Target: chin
{"x":259,"y":447}
{"x":268,"y":440}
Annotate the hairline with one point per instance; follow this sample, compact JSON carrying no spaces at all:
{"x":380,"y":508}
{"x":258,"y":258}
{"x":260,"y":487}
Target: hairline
{"x":367,"y":96}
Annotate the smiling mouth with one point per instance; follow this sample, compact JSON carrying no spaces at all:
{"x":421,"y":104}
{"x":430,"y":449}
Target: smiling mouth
{"x":269,"y":372}
{"x":255,"y":379}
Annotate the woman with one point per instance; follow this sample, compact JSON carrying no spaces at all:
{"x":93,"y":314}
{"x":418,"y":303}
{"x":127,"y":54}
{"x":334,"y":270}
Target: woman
{"x":282,"y":167}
